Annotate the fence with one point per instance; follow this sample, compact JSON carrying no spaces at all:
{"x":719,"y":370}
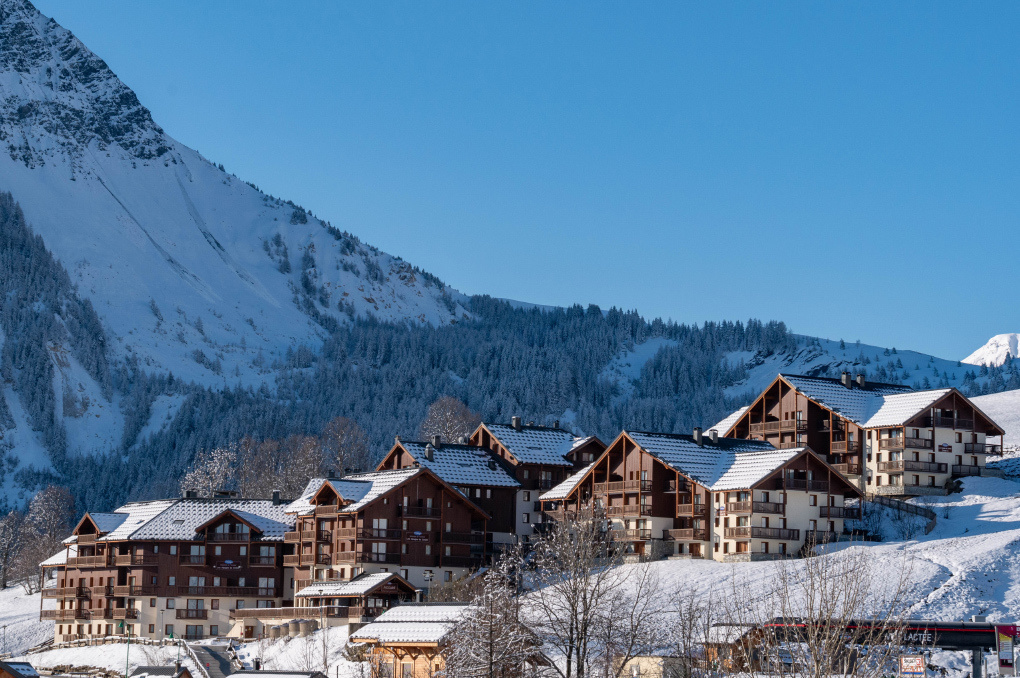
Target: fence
{"x":904,"y":507}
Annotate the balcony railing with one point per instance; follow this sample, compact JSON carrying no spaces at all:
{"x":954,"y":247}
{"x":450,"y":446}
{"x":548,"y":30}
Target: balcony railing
{"x":324,"y":559}
{"x":738,"y":507}
{"x":686,"y":534}
{"x":346,"y":532}
{"x":83,"y":592}
{"x":308,"y":559}
{"x":393,"y":558}
{"x":292,"y":536}
{"x":982,"y":448}
{"x":750,"y":531}
{"x":899,"y":443}
{"x":64,"y":592}
{"x":850,"y":512}
{"x":844,"y":446}
{"x":820,"y":537}
{"x":966,"y":470}
{"x":292,"y":560}
{"x":777,"y":426}
{"x":344,"y":557}
{"x":327,"y":611}
{"x":137,"y":559}
{"x":630,"y":510}
{"x":560,"y":514}
{"x":624,"y":486}
{"x":131,"y":591}
{"x":86,"y":539}
{"x":228,"y":536}
{"x":696,"y":510}
{"x":630,"y":535}
{"x":852,"y":468}
{"x":59,"y":615}
{"x":89,"y":561}
{"x":193,"y":559}
{"x":671,"y":485}
{"x":192,"y":614}
{"x":462,"y":537}
{"x":238,"y":591}
{"x":769,"y":507}
{"x":901,"y":465}
{"x":422,"y":512}
{"x":802,"y":484}
{"x":949,"y":422}
{"x":261,"y":561}
{"x":121,"y":613}
{"x":326,"y":510}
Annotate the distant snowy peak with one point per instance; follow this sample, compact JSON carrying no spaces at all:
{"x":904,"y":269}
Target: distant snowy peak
{"x":996,"y":351}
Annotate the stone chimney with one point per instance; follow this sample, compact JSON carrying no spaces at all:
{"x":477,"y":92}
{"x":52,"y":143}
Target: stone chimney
{"x":516,"y":422}
{"x":845,"y":379}
{"x":429,"y":452}
{"x":860,"y":380}
{"x":190,"y":494}
{"x":437,"y":441}
{"x":276,"y":498}
{"x":697,"y":435}
{"x":714,"y":436}
{"x":556,"y":424}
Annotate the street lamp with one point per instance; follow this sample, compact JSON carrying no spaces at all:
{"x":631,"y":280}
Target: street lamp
{"x":322,"y":629}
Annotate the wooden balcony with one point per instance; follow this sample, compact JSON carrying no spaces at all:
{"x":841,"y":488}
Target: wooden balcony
{"x":58,"y":592}
{"x":560,"y":514}
{"x":771,"y":507}
{"x":852,"y":468}
{"x":326,"y":510}
{"x":121,"y":613}
{"x":630,"y":535}
{"x":345,"y":532}
{"x":89,"y":561}
{"x":629,"y":510}
{"x":901,"y":465}
{"x":752,"y":532}
{"x":231,"y":591}
{"x":624,"y":486}
{"x":261,"y":561}
{"x":848,"y":512}
{"x":738,"y":507}
{"x":133,"y":591}
{"x":193,"y":559}
{"x":137,"y":559}
{"x":274,"y":613}
{"x":421,"y":512}
{"x":192,"y":614}
{"x":61,"y":615}
{"x":292,"y":560}
{"x":324,"y":535}
{"x":899,"y":443}
{"x":86,"y":539}
{"x":780,"y":426}
{"x":686,"y":534}
{"x":802,"y":484}
{"x":966,"y":470}
{"x":982,"y":448}
{"x":228,"y":536}
{"x":344,"y":557}
{"x":291,"y":537}
{"x":820,"y":537}
{"x":691,"y":510}
{"x":949,"y":422}
{"x":845,"y":446}
{"x":308,"y":559}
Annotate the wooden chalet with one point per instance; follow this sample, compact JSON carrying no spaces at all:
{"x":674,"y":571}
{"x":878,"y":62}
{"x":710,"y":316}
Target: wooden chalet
{"x":409,"y":521}
{"x":479,"y":474}
{"x":407,"y":641}
{"x":888,"y":438}
{"x":539,"y":458}
{"x":160,"y":567}
{"x":704,"y":496}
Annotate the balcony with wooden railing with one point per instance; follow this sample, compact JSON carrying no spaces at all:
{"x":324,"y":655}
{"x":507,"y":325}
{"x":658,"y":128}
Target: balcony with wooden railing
{"x":326,"y":510}
{"x":342,"y":557}
{"x":85,"y":539}
{"x":982,"y":448}
{"x":847,"y":512}
{"x":754,"y":532}
{"x":135,"y":590}
{"x":560,"y":514}
{"x":193,"y":559}
{"x":630,"y":535}
{"x":121,"y":613}
{"x":292,"y":560}
{"x":899,"y":443}
{"x":738,"y":507}
{"x":228,"y":536}
{"x":345,"y":532}
{"x":58,"y":615}
{"x":137,"y":559}
{"x":629,"y":510}
{"x":231,"y":591}
{"x":802,"y":484}
{"x":949,"y":422}
{"x":261,"y":561}
{"x":192,"y":614}
{"x":845,"y":446}
{"x":623,"y":486}
{"x":59,"y":592}
{"x":308,"y":559}
{"x":686,"y":534}
{"x":311,"y":612}
{"x":688,"y":510}
{"x":820,"y":537}
{"x":772,"y":507}
{"x":901,"y":465}
{"x":779,"y":426}
{"x":851,"y":468}
{"x":381,"y":533}
{"x":89,"y":561}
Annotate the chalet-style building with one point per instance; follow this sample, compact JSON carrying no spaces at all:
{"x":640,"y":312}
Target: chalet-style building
{"x":890,"y":439}
{"x":539,"y":457}
{"x":479,"y":474}
{"x":409,"y":521}
{"x":702,"y":496}
{"x":407,"y":641}
{"x":175,"y":566}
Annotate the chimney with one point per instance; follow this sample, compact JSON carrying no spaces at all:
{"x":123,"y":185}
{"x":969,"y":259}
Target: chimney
{"x":845,"y":379}
{"x":331,"y":474}
{"x":224,"y":494}
{"x":860,"y":380}
{"x":531,"y":423}
{"x":556,"y":424}
{"x":492,"y":464}
{"x":396,"y":438}
{"x":190,"y":494}
{"x":697,"y":435}
{"x":276,"y":498}
{"x":516,"y":422}
{"x":714,"y":435}
{"x":429,"y":450}
{"x":437,"y":441}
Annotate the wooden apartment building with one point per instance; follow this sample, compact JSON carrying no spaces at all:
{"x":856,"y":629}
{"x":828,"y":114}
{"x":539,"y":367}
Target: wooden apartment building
{"x":159,"y":567}
{"x":703,"y":496}
{"x":889,"y":439}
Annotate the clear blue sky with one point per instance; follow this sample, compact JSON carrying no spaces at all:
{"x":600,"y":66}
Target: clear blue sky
{"x":850,"y":168}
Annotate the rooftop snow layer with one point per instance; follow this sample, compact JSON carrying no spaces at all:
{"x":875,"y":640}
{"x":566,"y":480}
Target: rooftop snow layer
{"x":413,"y":623}
{"x":360,"y":489}
{"x":727,"y":423}
{"x":563,"y":490}
{"x":462,"y":464}
{"x":855,"y":403}
{"x":180,"y":520}
{"x":535,"y":444}
{"x":339,"y":589}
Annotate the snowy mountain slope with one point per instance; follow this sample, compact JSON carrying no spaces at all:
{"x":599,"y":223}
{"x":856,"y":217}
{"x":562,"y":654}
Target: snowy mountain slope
{"x":191,"y":270}
{"x":826,"y":357}
{"x":999,"y":349}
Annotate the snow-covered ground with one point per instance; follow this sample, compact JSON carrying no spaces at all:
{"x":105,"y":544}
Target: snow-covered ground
{"x":625,"y":368}
{"x":115,"y":657}
{"x":19,"y":614}
{"x":1004,"y":409}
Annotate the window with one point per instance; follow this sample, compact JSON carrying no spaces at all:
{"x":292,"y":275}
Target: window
{"x":526,"y":473}
{"x":635,"y":671}
{"x":488,"y":494}
{"x":403,"y":573}
{"x":173,"y":550}
{"x":525,"y":517}
{"x":478,"y":493}
{"x":153,"y":580}
{"x":152,"y":602}
{"x":155,"y":548}
{"x":931,"y":481}
{"x":214,"y":603}
{"x":448,"y":552}
{"x":813,"y":500}
{"x":428,"y":549}
{"x":169,"y":629}
{"x":218,"y":551}
{"x":239,"y":605}
{"x":764,"y":547}
{"x":407,"y":671}
{"x":959,"y":437}
{"x":214,"y":630}
{"x":172,"y":581}
{"x":449,"y":527}
{"x":170,"y":602}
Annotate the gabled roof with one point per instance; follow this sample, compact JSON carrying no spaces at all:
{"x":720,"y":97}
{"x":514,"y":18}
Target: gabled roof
{"x":899,"y":408}
{"x":724,"y":426}
{"x":60,"y":557}
{"x":247,"y":518}
{"x":412,"y":623}
{"x":461,"y":464}
{"x":854,"y":403}
{"x":534,"y":444}
{"x":185,"y":516}
{"x":359,"y":586}
{"x":563,"y":490}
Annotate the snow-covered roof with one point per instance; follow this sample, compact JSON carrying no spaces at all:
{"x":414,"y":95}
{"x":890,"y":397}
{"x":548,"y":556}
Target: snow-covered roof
{"x":461,"y":464}
{"x":727,"y":634}
{"x":161,"y":671}
{"x":413,"y":623}
{"x":60,"y":557}
{"x":107,"y":522}
{"x":138,"y":514}
{"x":855,"y":403}
{"x":181,"y":520}
{"x":535,"y":444}
{"x":727,"y":464}
{"x":727,"y":422}
{"x":24,"y":669}
{"x":563,"y":490}
{"x":897,"y":409}
{"x":359,"y":586}
{"x":361,"y":489}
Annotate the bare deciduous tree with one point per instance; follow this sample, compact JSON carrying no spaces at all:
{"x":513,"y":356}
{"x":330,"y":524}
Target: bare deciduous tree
{"x":450,"y":419}
{"x":12,"y":527}
{"x":211,"y":470}
{"x":345,"y":445}
{"x":257,"y":463}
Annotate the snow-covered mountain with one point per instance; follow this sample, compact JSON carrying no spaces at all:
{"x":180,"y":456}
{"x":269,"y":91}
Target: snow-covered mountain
{"x":996,"y":351}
